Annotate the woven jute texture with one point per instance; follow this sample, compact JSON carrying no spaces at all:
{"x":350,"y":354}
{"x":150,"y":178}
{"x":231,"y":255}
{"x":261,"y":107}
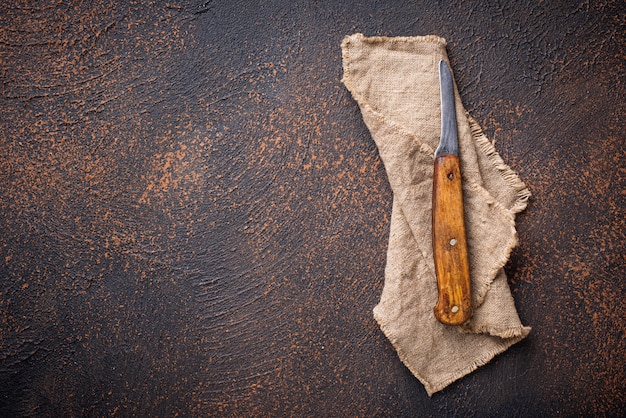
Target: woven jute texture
{"x":395,"y":81}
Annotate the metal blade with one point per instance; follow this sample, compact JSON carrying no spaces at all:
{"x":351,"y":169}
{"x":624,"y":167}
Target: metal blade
{"x":449,"y":142}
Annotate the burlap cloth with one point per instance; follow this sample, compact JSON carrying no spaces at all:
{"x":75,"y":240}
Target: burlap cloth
{"x":396,"y":84}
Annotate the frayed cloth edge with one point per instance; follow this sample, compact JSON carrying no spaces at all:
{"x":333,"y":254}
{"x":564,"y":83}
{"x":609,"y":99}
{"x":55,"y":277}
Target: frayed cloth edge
{"x":510,"y":176}
{"x":434,"y":387}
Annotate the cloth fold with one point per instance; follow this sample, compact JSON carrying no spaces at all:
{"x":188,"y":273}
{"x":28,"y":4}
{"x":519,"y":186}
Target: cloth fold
{"x":395,"y":82}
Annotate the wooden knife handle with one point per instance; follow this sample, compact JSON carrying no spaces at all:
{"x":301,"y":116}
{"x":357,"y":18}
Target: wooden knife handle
{"x":454,"y":302}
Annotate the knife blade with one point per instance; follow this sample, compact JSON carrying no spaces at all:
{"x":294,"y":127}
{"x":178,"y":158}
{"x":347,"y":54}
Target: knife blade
{"x":449,"y":239}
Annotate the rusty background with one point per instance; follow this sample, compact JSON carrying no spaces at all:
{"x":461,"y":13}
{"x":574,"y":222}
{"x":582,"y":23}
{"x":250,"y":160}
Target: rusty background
{"x":195,"y":218}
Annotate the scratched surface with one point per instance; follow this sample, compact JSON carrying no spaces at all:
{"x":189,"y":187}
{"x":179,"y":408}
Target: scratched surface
{"x":195,"y":218}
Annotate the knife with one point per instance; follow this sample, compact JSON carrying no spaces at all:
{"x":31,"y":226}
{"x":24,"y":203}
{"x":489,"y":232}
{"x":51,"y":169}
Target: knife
{"x":454,"y":305}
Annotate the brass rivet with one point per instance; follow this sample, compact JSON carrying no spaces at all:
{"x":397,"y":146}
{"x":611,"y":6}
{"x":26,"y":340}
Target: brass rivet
{"x":455,"y":309}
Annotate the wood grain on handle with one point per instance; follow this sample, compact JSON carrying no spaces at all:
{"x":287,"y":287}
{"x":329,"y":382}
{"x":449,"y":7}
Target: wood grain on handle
{"x":454,"y":305}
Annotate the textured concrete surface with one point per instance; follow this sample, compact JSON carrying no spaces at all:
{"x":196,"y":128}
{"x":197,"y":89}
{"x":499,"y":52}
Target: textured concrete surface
{"x":195,"y":217}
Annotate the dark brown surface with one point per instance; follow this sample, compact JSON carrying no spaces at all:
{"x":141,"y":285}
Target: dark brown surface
{"x":195,"y":217}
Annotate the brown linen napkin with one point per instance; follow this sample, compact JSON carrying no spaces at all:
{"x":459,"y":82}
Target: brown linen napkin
{"x":396,"y":84}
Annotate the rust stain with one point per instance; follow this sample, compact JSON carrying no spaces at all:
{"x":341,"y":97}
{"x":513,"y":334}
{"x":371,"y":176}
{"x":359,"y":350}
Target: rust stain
{"x":195,"y":218}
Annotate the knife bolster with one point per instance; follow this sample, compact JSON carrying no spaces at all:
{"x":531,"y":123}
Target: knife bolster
{"x":454,"y":305}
